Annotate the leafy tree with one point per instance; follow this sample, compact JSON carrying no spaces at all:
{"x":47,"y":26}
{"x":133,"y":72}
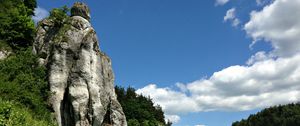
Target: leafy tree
{"x":59,"y":16}
{"x":24,"y":81}
{"x":31,"y":5}
{"x":139,"y":110}
{"x":16,"y":25}
{"x":133,"y":122}
{"x":282,"y":115}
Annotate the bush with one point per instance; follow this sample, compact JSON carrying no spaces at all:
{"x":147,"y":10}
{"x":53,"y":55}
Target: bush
{"x":13,"y":115}
{"x":59,"y":16}
{"x":24,"y":81}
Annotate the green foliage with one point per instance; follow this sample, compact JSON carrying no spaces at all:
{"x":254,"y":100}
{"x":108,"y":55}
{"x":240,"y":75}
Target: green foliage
{"x":16,"y":25}
{"x":13,"y":115}
{"x":282,"y":115}
{"x":4,"y":46}
{"x":133,"y":122}
{"x":139,"y":110}
{"x":31,"y":5}
{"x":61,"y":19}
{"x":59,"y":16}
{"x":23,"y":86}
{"x":24,"y":81}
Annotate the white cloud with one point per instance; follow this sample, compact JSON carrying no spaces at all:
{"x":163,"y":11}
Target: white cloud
{"x":235,"y":22}
{"x":40,"y":13}
{"x":279,"y":24}
{"x":231,"y":16}
{"x":181,"y":86}
{"x":268,"y":78}
{"x":221,"y":2}
{"x":173,"y":118}
{"x":236,"y":88}
{"x":172,"y":102}
{"x":259,"y":56}
{"x":200,"y":125}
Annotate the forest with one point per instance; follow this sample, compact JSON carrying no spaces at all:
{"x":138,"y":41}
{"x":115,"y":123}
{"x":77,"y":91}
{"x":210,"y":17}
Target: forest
{"x":281,"y":115}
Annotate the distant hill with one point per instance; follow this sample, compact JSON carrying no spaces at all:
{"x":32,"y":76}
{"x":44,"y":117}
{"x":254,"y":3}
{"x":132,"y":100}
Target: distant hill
{"x":282,"y":115}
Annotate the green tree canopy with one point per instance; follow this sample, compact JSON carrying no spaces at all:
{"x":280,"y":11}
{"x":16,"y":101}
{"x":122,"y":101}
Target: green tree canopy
{"x":16,"y":25}
{"x":282,"y":115}
{"x":24,"y":81}
{"x":139,"y":110}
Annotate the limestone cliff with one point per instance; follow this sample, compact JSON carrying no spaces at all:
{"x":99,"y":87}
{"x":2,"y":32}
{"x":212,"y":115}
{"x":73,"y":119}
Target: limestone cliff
{"x":80,"y":76}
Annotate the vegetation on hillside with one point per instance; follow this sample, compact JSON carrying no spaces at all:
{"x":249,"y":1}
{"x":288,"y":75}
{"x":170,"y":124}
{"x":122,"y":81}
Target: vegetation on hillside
{"x":140,"y":110}
{"x":13,"y":114}
{"x":282,"y":115}
{"x":23,"y":86}
{"x":24,"y":81}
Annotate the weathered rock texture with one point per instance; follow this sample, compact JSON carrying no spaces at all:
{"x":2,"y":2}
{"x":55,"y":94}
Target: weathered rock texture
{"x":4,"y":54}
{"x":80,"y":75}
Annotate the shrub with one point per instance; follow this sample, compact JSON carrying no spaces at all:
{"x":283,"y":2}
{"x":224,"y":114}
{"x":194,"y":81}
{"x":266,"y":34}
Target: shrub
{"x":13,"y":115}
{"x":24,"y":81}
{"x":59,"y":16}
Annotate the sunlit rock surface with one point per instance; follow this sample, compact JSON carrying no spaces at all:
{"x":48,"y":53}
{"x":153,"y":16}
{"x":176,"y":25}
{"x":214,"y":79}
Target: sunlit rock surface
{"x":80,"y":76}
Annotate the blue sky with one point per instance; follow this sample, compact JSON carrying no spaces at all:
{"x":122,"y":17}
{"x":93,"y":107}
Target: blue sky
{"x":205,"y":62}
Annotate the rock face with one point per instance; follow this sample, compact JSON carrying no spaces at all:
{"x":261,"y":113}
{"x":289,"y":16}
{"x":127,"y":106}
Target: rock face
{"x":4,"y":54}
{"x":80,"y":76}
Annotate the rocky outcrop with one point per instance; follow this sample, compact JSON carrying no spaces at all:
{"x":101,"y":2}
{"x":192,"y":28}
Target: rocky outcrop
{"x":4,"y":54}
{"x":80,"y":76}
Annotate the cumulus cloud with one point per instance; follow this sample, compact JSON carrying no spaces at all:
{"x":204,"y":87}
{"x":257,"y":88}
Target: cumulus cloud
{"x":39,"y":14}
{"x":259,"y":56}
{"x":268,"y":78}
{"x":221,"y":2}
{"x":236,"y":88}
{"x":231,"y":16}
{"x":172,"y":102}
{"x":279,"y":24}
{"x":181,"y":86}
{"x":172,"y":118}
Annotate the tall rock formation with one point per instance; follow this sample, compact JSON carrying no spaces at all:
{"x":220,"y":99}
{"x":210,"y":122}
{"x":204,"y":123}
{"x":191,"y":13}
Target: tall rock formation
{"x":80,"y":76}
